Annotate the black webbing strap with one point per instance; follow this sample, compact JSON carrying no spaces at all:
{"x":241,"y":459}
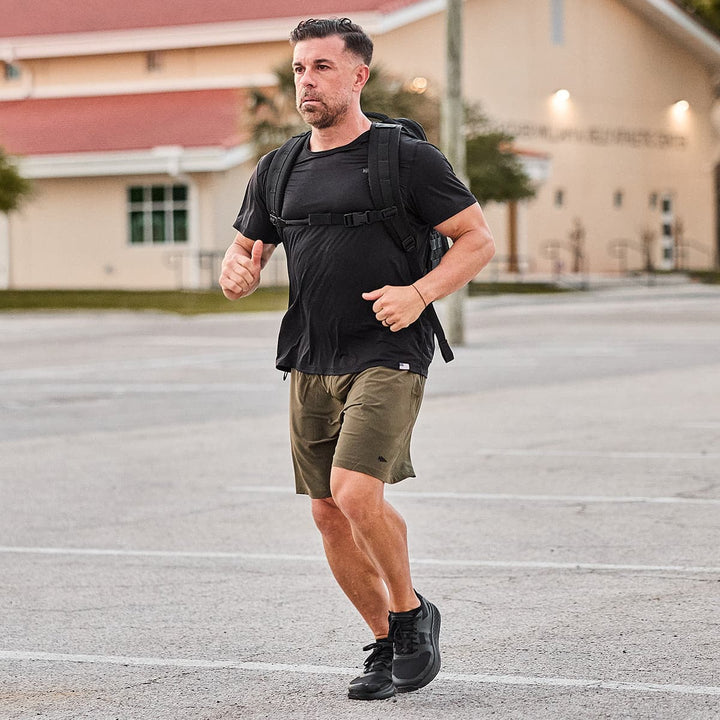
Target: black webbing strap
{"x":384,"y":179}
{"x":279,"y":172}
{"x":353,"y":219}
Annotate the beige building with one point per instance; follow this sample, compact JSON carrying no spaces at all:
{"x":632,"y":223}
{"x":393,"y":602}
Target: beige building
{"x":133,"y":126}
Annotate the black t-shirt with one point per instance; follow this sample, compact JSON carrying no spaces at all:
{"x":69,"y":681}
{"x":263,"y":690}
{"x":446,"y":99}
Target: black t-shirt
{"x":328,"y":328}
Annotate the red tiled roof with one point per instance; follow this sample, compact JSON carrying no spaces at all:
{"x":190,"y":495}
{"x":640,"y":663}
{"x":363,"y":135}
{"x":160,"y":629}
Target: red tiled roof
{"x":202,"y":118}
{"x":49,"y":17}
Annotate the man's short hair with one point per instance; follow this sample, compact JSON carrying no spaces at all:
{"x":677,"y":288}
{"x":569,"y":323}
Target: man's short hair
{"x":356,"y":41}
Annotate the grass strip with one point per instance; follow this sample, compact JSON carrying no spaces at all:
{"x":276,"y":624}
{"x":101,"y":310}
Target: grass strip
{"x":170,"y":301}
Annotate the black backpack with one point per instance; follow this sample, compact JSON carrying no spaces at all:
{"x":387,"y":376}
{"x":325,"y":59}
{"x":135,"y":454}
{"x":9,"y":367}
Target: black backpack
{"x":384,"y":180}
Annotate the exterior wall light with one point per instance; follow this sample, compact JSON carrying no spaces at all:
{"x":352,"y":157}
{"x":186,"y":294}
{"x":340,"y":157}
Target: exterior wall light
{"x":419,"y":85}
{"x":561,"y":97}
{"x":681,"y":107}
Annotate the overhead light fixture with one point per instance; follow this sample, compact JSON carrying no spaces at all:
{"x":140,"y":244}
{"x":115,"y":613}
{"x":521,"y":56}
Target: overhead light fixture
{"x":419,"y":85}
{"x":560,"y":97}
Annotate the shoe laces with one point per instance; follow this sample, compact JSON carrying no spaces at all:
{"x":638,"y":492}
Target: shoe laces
{"x":381,"y":656}
{"x":405,"y":634}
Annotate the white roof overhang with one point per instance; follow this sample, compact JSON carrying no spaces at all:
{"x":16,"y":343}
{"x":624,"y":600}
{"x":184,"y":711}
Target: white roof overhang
{"x":680,"y":26}
{"x":165,"y":160}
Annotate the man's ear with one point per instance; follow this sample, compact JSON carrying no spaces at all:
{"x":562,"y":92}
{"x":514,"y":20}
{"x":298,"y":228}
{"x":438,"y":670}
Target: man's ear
{"x":362,"y":75}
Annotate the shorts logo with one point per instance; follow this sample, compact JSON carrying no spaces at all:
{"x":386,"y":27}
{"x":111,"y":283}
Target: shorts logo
{"x":381,"y":459}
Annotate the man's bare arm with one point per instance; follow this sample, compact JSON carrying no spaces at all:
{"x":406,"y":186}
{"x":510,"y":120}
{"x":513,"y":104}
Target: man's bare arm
{"x":472,"y":249}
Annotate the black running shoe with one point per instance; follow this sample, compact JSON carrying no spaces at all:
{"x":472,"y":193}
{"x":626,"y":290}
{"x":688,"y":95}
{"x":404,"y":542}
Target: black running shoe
{"x":416,"y":638}
{"x":376,"y":683}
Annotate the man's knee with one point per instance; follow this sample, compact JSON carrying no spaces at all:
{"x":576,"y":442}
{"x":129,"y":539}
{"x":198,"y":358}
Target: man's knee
{"x":328,"y":518}
{"x":358,"y":496}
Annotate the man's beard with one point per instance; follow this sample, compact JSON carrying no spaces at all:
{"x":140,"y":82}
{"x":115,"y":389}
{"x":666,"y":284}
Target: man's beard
{"x":322,"y":115}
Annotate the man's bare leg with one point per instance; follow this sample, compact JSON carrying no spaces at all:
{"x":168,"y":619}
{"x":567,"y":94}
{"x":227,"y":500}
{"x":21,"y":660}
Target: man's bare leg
{"x":381,"y":532}
{"x":378,"y":530}
{"x":368,"y":536}
{"x":351,"y":567}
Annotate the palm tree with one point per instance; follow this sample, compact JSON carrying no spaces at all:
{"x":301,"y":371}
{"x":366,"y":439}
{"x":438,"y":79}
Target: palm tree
{"x":706,"y":11}
{"x":14,"y":189}
{"x":496,"y":174}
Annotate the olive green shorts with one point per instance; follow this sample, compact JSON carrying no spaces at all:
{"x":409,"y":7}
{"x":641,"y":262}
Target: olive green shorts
{"x":361,"y":422}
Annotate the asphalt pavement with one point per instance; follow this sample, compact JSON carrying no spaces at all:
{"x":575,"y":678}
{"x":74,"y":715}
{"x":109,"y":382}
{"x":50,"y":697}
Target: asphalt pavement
{"x":155,"y":563}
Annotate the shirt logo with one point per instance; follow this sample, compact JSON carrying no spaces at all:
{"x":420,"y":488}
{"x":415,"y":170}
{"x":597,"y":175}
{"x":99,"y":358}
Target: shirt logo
{"x":404,"y":366}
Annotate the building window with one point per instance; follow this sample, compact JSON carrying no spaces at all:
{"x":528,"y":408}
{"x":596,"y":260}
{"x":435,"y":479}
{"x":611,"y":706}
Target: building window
{"x":667,"y":230}
{"x":618,"y":198}
{"x":153,"y":61}
{"x":557,"y":21}
{"x":158,"y":214}
{"x":559,"y":198}
{"x":11,"y":71}
{"x":653,"y":200}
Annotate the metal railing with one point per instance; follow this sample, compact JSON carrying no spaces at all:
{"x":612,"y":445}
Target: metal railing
{"x":645,"y":271}
{"x":681,"y":253}
{"x":208,"y":265}
{"x":495,"y":272}
{"x":559,"y":253}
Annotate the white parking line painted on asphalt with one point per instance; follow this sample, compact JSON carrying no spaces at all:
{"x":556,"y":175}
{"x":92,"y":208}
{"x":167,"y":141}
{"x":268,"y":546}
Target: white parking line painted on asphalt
{"x":170,"y":554}
{"x":75,"y":387}
{"x":284,"y":557}
{"x":480,"y":678}
{"x":562,"y":498}
{"x":210,"y":341}
{"x":395,"y":494}
{"x":604,"y":454}
{"x":78,"y":370}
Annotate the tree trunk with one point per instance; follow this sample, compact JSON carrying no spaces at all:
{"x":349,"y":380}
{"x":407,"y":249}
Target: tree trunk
{"x":513,"y":264}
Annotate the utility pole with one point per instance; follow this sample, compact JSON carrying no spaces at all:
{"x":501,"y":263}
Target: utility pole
{"x":453,"y":142}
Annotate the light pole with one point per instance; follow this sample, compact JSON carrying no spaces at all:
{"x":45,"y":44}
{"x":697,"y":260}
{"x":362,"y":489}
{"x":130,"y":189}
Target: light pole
{"x":453,"y":142}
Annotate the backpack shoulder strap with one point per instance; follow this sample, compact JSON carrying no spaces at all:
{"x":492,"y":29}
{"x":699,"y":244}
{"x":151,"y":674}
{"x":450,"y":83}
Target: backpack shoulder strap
{"x":384,"y":180}
{"x":278,"y":173}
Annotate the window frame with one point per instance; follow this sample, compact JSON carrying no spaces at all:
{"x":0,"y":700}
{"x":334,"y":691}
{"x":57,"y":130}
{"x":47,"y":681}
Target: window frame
{"x":557,"y":22}
{"x":158,"y":214}
{"x":11,"y":71}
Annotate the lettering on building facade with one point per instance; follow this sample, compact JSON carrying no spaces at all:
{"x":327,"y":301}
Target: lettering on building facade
{"x":597,"y":135}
